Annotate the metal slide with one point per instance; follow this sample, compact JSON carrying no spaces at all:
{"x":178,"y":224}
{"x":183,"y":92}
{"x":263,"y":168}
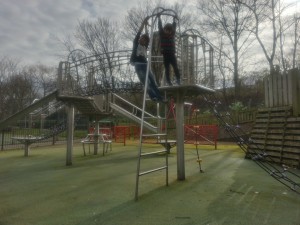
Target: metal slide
{"x":40,"y":103}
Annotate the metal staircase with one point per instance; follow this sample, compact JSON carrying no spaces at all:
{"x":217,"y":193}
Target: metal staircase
{"x":131,"y":111}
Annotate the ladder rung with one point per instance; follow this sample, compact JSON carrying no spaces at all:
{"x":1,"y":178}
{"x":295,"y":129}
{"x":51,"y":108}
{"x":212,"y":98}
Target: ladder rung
{"x":154,"y":170}
{"x":153,"y":135}
{"x":153,"y":153}
{"x":155,"y":118}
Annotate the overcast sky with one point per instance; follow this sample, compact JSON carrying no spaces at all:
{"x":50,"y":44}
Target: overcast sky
{"x":27,"y":27}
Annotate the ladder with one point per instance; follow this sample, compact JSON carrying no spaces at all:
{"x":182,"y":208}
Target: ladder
{"x":159,"y":136}
{"x":144,"y":152}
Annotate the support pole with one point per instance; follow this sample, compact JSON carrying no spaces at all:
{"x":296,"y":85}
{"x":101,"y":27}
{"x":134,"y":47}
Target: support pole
{"x":70,"y":134}
{"x":96,"y":138}
{"x":26,"y":148}
{"x":180,"y":135}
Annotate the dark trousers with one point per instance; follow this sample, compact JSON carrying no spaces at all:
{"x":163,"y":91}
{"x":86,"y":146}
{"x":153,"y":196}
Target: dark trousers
{"x":152,"y":90}
{"x":170,"y":59}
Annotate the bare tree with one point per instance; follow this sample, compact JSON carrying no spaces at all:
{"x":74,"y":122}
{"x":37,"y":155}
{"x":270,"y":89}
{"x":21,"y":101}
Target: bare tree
{"x":268,"y":27}
{"x":43,"y":78}
{"x":227,"y":20}
{"x":18,"y":92}
{"x":136,"y":15}
{"x":102,"y":39}
{"x":8,"y":67}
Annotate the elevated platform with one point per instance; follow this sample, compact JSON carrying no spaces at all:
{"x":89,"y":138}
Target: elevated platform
{"x":86,"y":105}
{"x":186,"y":90}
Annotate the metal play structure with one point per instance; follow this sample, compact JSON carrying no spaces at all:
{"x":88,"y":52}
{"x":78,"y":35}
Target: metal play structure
{"x":105,"y":77}
{"x":96,"y":85}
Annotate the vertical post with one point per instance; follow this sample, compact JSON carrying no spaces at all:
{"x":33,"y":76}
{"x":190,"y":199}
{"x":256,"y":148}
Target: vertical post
{"x":285,"y":90}
{"x":280,"y":90}
{"x":180,"y":135}
{"x":295,"y":77}
{"x":70,"y":134}
{"x":275,"y":90}
{"x":96,"y":138}
{"x":267,"y":96}
{"x":271,"y":93}
{"x":26,"y":148}
{"x":290,"y":88}
{"x":2,"y":140}
{"x":59,"y":76}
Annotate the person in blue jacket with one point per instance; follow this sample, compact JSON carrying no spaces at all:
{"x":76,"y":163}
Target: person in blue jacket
{"x":139,"y":60}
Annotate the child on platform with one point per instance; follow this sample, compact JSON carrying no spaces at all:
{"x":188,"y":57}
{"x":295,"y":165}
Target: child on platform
{"x":167,"y":44}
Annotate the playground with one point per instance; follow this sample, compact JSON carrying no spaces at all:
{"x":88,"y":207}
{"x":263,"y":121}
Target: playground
{"x":192,"y":178}
{"x":98,"y":189}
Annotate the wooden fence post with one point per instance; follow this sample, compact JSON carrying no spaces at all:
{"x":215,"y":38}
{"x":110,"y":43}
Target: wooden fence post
{"x":295,"y":81}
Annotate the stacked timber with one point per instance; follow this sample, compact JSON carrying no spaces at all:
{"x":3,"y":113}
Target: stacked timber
{"x":276,"y":134}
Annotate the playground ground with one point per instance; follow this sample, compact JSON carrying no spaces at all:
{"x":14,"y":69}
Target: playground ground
{"x":96,"y":189}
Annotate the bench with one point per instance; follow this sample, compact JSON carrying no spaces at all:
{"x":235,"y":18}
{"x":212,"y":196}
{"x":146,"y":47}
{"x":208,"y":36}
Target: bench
{"x":95,"y":139}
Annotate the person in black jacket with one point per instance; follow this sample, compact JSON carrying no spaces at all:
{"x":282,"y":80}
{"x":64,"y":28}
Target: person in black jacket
{"x":139,"y":60}
{"x":167,"y":45}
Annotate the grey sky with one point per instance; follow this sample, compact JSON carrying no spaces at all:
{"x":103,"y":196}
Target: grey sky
{"x":27,"y":26}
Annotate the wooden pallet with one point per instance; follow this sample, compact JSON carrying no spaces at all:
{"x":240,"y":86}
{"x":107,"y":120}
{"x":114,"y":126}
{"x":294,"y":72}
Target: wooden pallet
{"x":277,"y":133}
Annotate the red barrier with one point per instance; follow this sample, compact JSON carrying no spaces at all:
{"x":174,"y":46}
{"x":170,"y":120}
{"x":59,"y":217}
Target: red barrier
{"x":121,"y":133}
{"x":106,"y":130}
{"x":201,"y":134}
{"x":135,"y":131}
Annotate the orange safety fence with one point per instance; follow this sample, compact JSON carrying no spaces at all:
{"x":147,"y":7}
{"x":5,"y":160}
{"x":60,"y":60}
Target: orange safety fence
{"x":201,"y":134}
{"x":121,"y":133}
{"x":106,"y":130}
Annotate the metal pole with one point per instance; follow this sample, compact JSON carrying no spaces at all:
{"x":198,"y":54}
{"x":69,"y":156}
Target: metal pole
{"x":2,"y":140}
{"x":96,"y":138}
{"x":70,"y":134}
{"x":180,"y":135}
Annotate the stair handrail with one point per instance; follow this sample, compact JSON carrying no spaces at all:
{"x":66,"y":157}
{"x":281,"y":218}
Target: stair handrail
{"x":134,"y":106}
